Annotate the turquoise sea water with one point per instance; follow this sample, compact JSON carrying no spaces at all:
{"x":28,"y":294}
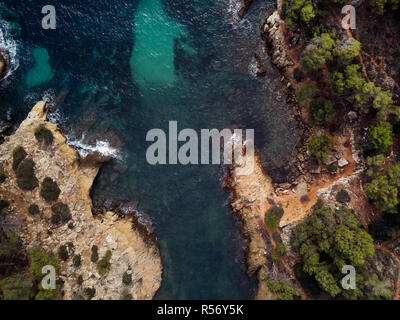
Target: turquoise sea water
{"x":125,"y":67}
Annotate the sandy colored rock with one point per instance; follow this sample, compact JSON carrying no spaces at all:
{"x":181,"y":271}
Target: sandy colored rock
{"x":62,"y":163}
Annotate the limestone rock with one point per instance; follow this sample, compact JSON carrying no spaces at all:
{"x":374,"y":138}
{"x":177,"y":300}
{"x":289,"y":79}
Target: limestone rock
{"x":130,"y":248}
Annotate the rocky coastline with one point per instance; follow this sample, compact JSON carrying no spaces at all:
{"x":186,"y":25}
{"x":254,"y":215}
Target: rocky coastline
{"x":306,"y":181}
{"x":134,"y":249}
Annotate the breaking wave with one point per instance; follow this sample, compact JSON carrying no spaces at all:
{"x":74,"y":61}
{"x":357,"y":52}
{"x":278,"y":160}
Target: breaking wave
{"x":10,"y":45}
{"x":103,"y":147}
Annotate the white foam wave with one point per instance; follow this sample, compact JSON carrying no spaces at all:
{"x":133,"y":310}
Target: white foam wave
{"x":103,"y":147}
{"x":10,"y":45}
{"x":253,"y":67}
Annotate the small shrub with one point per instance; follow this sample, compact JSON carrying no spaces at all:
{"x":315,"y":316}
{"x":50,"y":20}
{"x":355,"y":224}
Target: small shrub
{"x":332,"y":168}
{"x":3,"y":204}
{"x":321,"y":110}
{"x":19,"y":155}
{"x":273,"y":216}
{"x":280,"y":248}
{"x":25,"y":173}
{"x":283,"y":290}
{"x":104,"y":265}
{"x":80,"y":280}
{"x":305,"y":92}
{"x":319,"y":147}
{"x":71,"y":226}
{"x":45,"y":294}
{"x":343,"y":196}
{"x":95,"y":254}
{"x":50,"y":190}
{"x":305,"y":198}
{"x":3,"y":175}
{"x":44,"y":135}
{"x":127,"y":279}
{"x":90,"y":292}
{"x":63,"y":253}
{"x":77,"y":261}
{"x":126,"y":295}
{"x":33,"y":209}
{"x":61,"y":213}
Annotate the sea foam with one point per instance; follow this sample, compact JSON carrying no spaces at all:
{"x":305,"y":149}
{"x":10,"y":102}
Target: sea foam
{"x":10,"y":45}
{"x":103,"y":147}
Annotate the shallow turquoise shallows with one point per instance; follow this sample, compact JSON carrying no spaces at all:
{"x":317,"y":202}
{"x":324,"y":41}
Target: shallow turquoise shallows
{"x":41,"y":72}
{"x":152,"y":59}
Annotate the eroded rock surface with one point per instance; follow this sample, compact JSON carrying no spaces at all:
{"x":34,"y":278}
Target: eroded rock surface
{"x":131,"y":251}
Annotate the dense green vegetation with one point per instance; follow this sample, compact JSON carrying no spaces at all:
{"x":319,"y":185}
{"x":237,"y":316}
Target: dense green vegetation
{"x":383,"y":190}
{"x":50,"y":190}
{"x":39,"y":260}
{"x":273,"y":217}
{"x":380,"y":136}
{"x":329,"y":240}
{"x":282,"y":289}
{"x":44,"y":135}
{"x":297,"y":11}
{"x":319,"y":52}
{"x":351,"y":82}
{"x":279,"y":251}
{"x":319,"y":147}
{"x":19,"y":286}
{"x":321,"y":110}
{"x":374,"y":162}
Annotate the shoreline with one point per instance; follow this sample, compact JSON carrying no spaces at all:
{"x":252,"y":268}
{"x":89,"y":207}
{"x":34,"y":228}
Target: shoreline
{"x":75,"y":177}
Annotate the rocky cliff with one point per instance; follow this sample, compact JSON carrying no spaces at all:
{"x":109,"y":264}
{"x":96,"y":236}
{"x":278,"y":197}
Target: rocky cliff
{"x":132,"y":253}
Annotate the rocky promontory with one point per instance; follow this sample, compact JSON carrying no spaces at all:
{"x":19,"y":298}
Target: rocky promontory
{"x":131,"y":262}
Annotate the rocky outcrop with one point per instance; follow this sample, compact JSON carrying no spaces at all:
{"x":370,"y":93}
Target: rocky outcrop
{"x":251,"y":196}
{"x":131,"y":251}
{"x":4,"y":63}
{"x":273,"y":32}
{"x":244,"y":7}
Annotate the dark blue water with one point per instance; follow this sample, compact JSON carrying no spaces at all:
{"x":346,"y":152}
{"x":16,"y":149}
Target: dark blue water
{"x":125,"y":67}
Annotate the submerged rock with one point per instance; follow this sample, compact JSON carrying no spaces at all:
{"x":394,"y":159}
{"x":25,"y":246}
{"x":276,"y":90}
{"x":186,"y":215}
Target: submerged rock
{"x":4,"y":63}
{"x":245,"y":5}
